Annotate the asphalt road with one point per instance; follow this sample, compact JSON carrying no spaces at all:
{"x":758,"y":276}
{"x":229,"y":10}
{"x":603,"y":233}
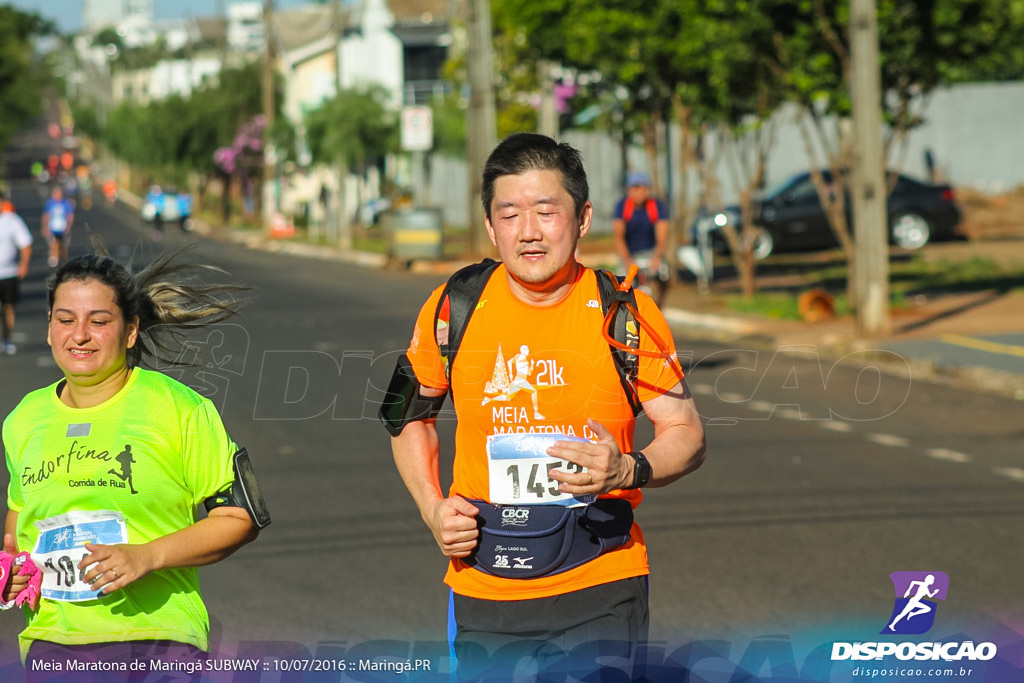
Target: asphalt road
{"x":822,"y":479}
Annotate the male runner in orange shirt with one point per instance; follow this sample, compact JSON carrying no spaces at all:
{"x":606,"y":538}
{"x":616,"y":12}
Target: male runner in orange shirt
{"x":545,"y":304}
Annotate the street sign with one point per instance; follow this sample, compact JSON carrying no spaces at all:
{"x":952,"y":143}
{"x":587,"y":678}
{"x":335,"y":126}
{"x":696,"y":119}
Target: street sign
{"x":417,"y":129}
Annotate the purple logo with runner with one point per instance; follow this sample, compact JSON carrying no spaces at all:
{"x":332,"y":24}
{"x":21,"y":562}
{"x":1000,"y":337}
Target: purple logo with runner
{"x":916,"y":592}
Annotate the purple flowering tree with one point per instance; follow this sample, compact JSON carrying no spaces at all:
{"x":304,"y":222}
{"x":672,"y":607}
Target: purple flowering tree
{"x":243,"y":160}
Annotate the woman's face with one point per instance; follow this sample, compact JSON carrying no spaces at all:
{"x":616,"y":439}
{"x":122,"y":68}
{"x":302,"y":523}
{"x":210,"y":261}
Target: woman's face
{"x":87,"y":333}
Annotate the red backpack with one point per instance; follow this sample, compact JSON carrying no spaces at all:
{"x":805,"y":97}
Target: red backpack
{"x":630,"y":206}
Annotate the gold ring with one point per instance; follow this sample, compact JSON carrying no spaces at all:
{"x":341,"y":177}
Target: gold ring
{"x":591,"y":479}
{"x":114,"y":572}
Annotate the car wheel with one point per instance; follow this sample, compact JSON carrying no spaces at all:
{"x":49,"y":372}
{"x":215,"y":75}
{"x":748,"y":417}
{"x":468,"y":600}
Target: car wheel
{"x":910,"y":231}
{"x":763,"y":244}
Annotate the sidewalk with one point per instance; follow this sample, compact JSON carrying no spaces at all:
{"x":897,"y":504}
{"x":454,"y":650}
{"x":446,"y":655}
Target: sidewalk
{"x":972,"y":340}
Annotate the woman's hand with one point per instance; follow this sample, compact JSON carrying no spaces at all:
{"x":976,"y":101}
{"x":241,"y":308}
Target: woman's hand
{"x":112,"y":567}
{"x":14,"y":583}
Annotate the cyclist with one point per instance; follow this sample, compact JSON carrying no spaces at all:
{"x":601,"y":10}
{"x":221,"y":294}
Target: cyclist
{"x":640,"y":228}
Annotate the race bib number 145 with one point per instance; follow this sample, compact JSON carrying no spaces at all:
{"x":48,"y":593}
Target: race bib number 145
{"x":519,"y":469}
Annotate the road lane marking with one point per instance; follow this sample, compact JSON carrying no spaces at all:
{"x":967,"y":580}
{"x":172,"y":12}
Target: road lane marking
{"x":703,"y":389}
{"x":946,"y":454}
{"x":762,"y":406}
{"x":888,"y":440}
{"x":1015,"y":473}
{"x":983,"y":345}
{"x":834,"y":426}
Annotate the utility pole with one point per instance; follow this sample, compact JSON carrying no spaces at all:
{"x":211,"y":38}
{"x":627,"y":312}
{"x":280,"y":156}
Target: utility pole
{"x":871,"y":225}
{"x":342,"y":216}
{"x":269,"y":153}
{"x":481,"y":128}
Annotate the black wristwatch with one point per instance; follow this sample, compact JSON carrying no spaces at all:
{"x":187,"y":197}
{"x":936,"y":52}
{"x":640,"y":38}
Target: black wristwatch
{"x":641,"y":470}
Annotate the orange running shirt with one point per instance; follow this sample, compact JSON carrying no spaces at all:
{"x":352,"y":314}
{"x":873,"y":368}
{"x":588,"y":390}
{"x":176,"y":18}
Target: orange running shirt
{"x":513,"y":354}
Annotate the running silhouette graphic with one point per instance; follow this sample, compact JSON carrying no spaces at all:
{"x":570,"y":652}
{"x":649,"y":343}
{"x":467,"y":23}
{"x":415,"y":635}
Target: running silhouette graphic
{"x":915,"y":606}
{"x":127,"y":460}
{"x":519,"y":370}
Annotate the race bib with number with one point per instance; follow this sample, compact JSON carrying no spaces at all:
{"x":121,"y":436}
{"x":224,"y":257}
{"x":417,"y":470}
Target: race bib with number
{"x":520,"y":469}
{"x":58,"y":220}
{"x":61,"y":546}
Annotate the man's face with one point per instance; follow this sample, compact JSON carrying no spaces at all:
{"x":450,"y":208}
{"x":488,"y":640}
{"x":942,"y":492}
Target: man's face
{"x":535,"y":227}
{"x":639,"y":193}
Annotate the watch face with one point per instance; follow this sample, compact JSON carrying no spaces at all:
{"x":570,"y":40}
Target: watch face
{"x":645,"y":473}
{"x":642,"y":469}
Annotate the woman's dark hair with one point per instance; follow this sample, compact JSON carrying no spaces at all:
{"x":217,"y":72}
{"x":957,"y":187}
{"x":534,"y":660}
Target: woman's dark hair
{"x":522,"y":152}
{"x":169,"y":297}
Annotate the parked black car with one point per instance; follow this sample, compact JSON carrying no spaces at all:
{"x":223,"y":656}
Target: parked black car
{"x":792,"y":218}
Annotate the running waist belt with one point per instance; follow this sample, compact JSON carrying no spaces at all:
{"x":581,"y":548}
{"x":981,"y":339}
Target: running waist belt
{"x":530,"y":541}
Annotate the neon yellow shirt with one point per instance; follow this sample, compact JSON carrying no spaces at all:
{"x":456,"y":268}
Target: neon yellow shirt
{"x":153,"y":453}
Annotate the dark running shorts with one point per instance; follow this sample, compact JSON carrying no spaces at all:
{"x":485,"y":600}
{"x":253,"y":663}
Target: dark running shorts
{"x":575,"y":633}
{"x":9,"y":291}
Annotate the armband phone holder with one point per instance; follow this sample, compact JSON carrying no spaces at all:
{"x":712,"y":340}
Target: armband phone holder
{"x":244,"y":492}
{"x":403,"y":403}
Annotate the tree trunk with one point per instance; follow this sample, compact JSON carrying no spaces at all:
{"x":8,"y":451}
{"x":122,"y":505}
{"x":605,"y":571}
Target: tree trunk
{"x":225,"y":198}
{"x":684,"y":214}
{"x":650,"y":135}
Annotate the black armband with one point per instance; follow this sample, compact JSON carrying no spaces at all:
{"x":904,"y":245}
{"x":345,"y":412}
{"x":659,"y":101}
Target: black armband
{"x":403,"y":403}
{"x":244,"y":492}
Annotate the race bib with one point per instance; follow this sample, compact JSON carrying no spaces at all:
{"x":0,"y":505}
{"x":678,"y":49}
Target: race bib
{"x":61,"y":546}
{"x":519,"y":468}
{"x":58,"y":220}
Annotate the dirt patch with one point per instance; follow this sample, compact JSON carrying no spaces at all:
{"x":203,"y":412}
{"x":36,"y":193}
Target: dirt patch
{"x":987,"y":216}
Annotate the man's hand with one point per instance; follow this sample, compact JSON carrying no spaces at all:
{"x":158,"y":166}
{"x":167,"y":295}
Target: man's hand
{"x":607,"y":469}
{"x":453,"y":523}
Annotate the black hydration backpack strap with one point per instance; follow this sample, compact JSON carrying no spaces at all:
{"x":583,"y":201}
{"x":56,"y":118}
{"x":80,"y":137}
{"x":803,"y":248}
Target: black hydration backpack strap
{"x":467,"y":284}
{"x":625,"y":330}
{"x":462,"y":293}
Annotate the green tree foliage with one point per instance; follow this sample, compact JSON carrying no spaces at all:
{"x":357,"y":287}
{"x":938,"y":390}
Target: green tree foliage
{"x":355,"y":128}
{"x":173,"y":136}
{"x":450,"y":129}
{"x":21,"y":77}
{"x":729,"y":64}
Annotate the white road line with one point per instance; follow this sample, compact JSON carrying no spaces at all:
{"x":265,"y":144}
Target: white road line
{"x":762,"y":406}
{"x":790,"y":414}
{"x":703,"y":389}
{"x":844,"y":427}
{"x":946,"y":454}
{"x":729,"y":397}
{"x":888,"y":440}
{"x":1015,"y":473}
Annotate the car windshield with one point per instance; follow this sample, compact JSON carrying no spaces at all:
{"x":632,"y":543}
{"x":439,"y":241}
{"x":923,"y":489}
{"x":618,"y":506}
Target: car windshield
{"x":782,"y":185}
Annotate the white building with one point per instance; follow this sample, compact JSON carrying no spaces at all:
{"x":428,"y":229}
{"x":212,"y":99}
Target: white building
{"x":245,"y":27}
{"x":100,"y":14}
{"x":166,"y":78}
